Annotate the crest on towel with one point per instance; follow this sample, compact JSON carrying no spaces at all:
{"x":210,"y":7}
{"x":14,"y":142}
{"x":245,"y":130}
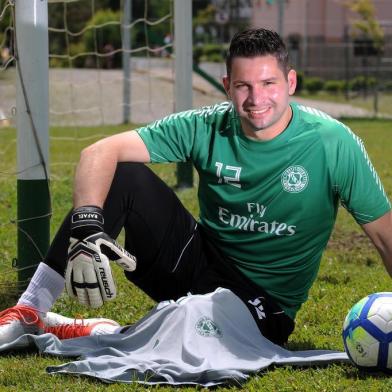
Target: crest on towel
{"x":208,"y":328}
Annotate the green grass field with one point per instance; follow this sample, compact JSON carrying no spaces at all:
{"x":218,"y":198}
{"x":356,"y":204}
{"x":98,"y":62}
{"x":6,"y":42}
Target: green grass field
{"x":350,"y":270}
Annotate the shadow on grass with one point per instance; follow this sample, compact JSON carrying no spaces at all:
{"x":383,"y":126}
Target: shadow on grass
{"x":9,"y":295}
{"x":22,"y":353}
{"x":301,"y":346}
{"x":352,"y":372}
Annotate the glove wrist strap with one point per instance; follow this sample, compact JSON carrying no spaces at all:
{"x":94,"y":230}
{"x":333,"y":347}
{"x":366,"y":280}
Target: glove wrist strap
{"x":86,"y":220}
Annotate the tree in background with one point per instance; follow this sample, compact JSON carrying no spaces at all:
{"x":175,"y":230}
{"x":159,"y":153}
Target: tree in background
{"x":69,"y":37}
{"x":370,"y":42}
{"x":151,"y":35}
{"x":6,"y":32}
{"x":93,"y":26}
{"x":368,"y":26}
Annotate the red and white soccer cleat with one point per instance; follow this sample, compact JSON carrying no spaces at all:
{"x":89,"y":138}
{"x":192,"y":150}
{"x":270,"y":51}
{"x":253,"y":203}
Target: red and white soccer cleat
{"x":67,"y":328}
{"x":20,"y":320}
{"x":17,"y":321}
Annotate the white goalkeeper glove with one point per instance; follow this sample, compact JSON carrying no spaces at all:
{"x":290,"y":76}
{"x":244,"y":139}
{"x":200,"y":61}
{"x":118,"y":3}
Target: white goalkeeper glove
{"x":88,"y":275}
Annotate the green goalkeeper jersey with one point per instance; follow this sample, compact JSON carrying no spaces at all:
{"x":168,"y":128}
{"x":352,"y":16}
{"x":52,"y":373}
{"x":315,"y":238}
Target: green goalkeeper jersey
{"x":270,"y":205}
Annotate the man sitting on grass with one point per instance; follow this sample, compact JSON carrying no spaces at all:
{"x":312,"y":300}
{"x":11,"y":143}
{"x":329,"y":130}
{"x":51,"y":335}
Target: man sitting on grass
{"x":272,"y":174}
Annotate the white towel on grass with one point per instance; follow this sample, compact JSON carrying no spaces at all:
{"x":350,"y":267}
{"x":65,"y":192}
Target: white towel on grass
{"x":199,"y":339}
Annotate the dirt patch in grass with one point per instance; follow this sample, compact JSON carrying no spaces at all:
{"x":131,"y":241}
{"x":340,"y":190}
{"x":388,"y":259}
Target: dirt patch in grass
{"x":349,"y":242}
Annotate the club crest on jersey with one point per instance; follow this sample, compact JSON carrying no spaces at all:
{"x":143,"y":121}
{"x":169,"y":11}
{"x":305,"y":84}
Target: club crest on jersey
{"x":206,"y":327}
{"x":294,"y":179}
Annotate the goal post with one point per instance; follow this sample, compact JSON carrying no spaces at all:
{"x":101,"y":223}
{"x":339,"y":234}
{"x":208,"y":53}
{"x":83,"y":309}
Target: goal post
{"x":32,"y":123}
{"x":183,"y":70}
{"x":126,"y":60}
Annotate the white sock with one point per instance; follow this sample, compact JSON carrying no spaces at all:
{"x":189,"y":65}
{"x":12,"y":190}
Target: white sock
{"x":105,"y":329}
{"x":44,"y":288}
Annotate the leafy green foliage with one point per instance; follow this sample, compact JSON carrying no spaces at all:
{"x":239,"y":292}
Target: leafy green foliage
{"x":361,"y":82}
{"x":79,"y":30}
{"x":367,"y":25}
{"x":313,"y":84}
{"x":388,"y":86}
{"x":103,"y":35}
{"x":300,"y":81}
{"x":334,"y":86}
{"x":6,"y":32}
{"x":209,"y":52}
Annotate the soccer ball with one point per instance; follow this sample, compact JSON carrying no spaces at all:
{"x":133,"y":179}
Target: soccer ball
{"x":367,"y":332}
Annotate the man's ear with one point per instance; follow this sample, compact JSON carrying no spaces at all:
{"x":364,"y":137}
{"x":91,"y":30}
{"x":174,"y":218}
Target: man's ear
{"x":226,"y":85}
{"x":292,"y":81}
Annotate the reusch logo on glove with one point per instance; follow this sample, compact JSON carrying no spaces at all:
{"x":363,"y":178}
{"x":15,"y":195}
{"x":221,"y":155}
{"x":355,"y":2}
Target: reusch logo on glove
{"x":104,"y":280}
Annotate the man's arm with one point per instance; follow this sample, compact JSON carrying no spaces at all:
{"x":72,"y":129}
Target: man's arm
{"x":88,"y":276}
{"x":380,"y":232}
{"x":94,"y":173}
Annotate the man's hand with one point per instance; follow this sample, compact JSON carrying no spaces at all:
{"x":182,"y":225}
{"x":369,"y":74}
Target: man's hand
{"x":88,"y":276}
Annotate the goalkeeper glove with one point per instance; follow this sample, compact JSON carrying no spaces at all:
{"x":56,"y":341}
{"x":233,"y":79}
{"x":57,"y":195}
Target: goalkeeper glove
{"x":88,"y":275}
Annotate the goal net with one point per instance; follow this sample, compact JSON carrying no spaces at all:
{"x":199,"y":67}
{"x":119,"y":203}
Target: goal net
{"x":110,"y":66}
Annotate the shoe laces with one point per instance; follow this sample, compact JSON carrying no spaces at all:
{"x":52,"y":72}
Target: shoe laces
{"x":28,"y":315}
{"x":69,"y":331}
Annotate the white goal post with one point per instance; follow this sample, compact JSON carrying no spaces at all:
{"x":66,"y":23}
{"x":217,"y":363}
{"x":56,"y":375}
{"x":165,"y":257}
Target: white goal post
{"x":32,"y":122}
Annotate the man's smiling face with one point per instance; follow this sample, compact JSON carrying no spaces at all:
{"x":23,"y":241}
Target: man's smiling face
{"x":260,"y":90}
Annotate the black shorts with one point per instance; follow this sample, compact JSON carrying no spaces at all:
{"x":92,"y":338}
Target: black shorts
{"x":202,"y":269}
{"x":174,"y":254}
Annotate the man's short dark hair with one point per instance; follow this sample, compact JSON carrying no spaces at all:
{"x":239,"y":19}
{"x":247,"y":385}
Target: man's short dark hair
{"x":257,"y":42}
